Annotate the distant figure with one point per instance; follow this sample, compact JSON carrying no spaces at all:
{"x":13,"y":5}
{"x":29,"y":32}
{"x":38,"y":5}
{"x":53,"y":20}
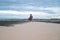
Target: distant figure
{"x":30,"y":17}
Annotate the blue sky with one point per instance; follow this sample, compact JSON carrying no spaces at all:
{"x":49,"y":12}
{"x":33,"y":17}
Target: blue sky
{"x":39,"y":8}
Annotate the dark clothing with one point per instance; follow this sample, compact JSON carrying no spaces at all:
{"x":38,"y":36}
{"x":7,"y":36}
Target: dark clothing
{"x":30,"y":18}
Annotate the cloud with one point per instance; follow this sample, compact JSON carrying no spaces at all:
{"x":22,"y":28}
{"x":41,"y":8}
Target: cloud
{"x":34,"y":8}
{"x":46,"y":12}
{"x":40,"y":8}
{"x":21,"y":12}
{"x":25,"y":14}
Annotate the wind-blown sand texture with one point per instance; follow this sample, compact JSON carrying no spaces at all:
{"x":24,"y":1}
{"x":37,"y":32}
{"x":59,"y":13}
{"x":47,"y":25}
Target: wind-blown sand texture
{"x":31,"y":31}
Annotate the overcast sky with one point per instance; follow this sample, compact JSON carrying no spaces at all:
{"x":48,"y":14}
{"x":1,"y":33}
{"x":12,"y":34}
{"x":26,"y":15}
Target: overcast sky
{"x":39,"y":8}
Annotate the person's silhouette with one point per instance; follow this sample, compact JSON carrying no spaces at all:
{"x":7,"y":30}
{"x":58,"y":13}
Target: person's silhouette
{"x":30,"y":17}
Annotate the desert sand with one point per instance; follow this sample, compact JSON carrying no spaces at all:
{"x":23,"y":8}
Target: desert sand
{"x":31,"y":31}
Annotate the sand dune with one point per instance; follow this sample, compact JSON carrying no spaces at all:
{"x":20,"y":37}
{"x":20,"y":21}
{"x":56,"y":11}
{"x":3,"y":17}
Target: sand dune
{"x":31,"y":31}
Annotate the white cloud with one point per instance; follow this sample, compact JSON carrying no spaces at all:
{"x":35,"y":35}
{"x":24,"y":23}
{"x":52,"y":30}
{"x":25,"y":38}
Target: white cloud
{"x":22,"y":12}
{"x":35,"y":14}
{"x":34,"y":8}
{"x":56,"y":17}
{"x":56,"y":11}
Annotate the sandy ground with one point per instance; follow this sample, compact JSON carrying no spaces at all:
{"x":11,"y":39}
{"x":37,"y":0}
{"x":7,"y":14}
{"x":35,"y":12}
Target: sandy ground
{"x":31,"y":31}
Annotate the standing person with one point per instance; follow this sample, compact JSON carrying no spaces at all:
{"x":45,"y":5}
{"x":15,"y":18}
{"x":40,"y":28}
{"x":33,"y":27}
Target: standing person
{"x":30,"y":18}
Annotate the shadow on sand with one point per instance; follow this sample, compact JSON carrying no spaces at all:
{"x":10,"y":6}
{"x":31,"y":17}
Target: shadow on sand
{"x":38,"y":20}
{"x":11,"y":23}
{"x":55,"y":22}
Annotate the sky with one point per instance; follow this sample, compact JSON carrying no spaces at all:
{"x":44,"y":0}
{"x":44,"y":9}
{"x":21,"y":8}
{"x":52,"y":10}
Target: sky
{"x":41,"y":9}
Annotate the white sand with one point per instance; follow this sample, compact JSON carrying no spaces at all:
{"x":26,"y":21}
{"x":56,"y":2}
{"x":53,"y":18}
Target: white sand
{"x":31,"y":31}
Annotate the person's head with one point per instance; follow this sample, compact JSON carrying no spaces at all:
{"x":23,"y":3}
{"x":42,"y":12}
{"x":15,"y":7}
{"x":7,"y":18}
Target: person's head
{"x":30,"y":14}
